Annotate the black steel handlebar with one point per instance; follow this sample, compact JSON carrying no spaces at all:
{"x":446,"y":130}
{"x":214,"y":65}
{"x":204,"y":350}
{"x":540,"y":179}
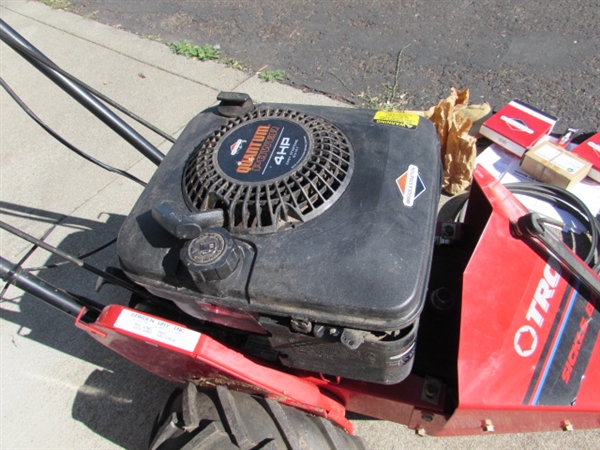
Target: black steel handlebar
{"x":37,"y":59}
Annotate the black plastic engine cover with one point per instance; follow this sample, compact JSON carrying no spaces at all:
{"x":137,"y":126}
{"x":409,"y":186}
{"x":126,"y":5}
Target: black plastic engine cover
{"x":362,"y":261}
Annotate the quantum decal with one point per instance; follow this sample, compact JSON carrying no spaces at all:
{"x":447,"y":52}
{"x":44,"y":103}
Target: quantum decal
{"x":262,"y":150}
{"x":250,"y":159}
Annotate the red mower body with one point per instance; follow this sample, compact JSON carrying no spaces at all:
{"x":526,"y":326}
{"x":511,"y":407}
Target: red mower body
{"x":528,"y":353}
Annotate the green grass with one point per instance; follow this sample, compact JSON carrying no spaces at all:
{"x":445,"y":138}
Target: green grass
{"x":200,"y":52}
{"x":92,"y":16}
{"x":271,"y":75}
{"x":234,"y":64}
{"x":150,"y":37}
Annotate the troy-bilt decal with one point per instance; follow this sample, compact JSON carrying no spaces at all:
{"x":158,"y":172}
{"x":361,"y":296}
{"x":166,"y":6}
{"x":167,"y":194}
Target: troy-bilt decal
{"x":516,"y":124}
{"x":411,"y":185}
{"x":157,"y":330}
{"x":525,"y":340}
{"x":566,"y":352}
{"x":399,"y":119}
{"x":237,"y":146}
{"x":577,"y":344}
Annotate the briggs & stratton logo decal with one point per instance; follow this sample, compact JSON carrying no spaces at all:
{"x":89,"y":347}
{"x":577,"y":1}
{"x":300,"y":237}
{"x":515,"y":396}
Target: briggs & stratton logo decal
{"x":516,"y":124}
{"x":237,"y":146}
{"x":411,"y":185}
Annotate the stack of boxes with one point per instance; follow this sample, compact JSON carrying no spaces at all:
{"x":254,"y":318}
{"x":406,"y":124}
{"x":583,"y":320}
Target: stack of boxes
{"x":590,"y":151}
{"x":525,"y":131}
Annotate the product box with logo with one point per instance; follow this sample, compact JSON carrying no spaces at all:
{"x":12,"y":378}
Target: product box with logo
{"x":518,"y":127}
{"x":590,"y":150}
{"x":554,"y":165}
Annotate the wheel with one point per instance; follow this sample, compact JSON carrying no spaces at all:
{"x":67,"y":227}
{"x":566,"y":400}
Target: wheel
{"x":220,"y":419}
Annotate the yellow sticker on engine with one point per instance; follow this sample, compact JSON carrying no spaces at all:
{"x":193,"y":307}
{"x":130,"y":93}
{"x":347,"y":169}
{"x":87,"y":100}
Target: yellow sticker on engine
{"x":399,"y":119}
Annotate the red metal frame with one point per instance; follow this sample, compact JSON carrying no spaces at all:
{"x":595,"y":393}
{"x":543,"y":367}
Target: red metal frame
{"x":521,"y":318}
{"x":209,"y":363}
{"x":524,"y":330}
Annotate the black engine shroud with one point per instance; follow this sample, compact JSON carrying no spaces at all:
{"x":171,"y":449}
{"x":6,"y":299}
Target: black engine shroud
{"x":311,"y":225}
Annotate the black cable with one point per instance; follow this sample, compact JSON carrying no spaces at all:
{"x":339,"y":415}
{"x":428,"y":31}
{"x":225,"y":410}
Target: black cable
{"x":93,"y":91}
{"x":564,"y":200}
{"x":17,"y":267}
{"x":82,"y":257}
{"x":82,"y":96}
{"x":63,"y":141}
{"x":567,"y":202}
{"x":78,"y":262}
{"x":63,"y":300}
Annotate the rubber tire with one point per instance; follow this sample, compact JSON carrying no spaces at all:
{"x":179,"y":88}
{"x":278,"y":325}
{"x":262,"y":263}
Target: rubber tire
{"x":221,"y":419}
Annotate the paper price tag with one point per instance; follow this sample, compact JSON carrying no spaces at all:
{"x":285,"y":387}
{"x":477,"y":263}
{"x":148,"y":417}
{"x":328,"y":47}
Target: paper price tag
{"x":157,"y":330}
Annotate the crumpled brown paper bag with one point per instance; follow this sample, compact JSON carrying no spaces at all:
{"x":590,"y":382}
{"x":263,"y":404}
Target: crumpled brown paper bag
{"x":458,"y":149}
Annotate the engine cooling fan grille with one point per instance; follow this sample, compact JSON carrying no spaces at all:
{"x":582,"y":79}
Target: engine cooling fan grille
{"x":269,"y":169}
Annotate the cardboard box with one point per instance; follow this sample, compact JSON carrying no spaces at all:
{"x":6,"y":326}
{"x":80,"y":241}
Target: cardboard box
{"x":590,"y":151}
{"x":518,"y":127}
{"x":552,"y":164}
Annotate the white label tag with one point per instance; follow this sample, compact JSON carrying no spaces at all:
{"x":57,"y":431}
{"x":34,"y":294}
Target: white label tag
{"x":547,"y":152}
{"x":568,"y":164}
{"x":562,"y":160}
{"x":157,"y":330}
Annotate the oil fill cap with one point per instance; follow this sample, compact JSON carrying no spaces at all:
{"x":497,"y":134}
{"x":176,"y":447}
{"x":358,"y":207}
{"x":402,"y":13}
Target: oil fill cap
{"x":211,"y":256}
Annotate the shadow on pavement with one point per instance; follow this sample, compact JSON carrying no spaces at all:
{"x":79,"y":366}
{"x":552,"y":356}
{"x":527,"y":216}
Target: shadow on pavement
{"x":120,"y":400}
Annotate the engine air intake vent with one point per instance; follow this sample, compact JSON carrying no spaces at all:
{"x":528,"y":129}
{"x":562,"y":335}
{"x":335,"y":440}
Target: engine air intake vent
{"x":269,"y":169}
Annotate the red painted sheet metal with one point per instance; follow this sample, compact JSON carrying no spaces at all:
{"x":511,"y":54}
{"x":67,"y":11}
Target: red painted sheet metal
{"x":508,"y":419}
{"x":589,"y":393}
{"x":401,"y":403}
{"x":528,"y":347}
{"x":201,"y":359}
{"x":525,"y":329}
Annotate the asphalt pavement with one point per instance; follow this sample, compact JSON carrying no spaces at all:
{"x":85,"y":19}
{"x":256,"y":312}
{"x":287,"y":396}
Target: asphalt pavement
{"x":411,"y":52}
{"x":59,"y":388}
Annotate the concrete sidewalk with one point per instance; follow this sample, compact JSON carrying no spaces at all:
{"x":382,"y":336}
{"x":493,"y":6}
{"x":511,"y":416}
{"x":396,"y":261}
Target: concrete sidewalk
{"x":60,"y":389}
